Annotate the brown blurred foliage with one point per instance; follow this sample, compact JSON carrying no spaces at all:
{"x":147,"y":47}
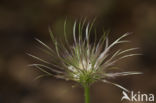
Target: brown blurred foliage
{"x":22,"y":20}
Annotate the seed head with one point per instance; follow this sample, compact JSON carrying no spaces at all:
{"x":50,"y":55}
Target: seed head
{"x":84,"y":61}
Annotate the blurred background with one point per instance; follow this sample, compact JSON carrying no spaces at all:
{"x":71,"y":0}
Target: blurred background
{"x":22,"y":20}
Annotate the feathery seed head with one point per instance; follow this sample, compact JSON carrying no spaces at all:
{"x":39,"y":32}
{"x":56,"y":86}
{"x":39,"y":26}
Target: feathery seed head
{"x":83,"y":62}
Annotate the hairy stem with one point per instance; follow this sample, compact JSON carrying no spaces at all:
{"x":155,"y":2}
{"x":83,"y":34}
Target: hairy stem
{"x":87,"y":94}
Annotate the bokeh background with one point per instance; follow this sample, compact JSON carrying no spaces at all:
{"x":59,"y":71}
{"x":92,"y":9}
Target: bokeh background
{"x":22,"y":20}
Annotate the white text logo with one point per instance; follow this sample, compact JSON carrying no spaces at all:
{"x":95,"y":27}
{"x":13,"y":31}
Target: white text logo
{"x":137,"y":97}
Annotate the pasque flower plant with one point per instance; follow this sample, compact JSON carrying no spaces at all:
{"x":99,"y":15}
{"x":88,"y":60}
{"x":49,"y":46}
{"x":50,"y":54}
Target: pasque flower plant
{"x":85,"y":61}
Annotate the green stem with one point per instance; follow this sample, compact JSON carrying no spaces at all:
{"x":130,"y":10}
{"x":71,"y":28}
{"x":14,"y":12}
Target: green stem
{"x":87,"y":94}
